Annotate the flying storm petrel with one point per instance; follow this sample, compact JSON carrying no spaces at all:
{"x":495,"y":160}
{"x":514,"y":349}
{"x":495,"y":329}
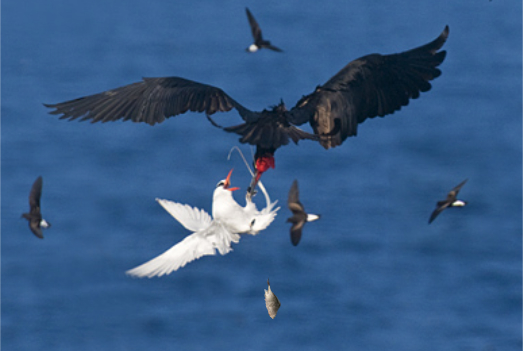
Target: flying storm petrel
{"x":299,"y":216}
{"x":450,"y":201}
{"x":36,"y":222}
{"x":259,"y":43}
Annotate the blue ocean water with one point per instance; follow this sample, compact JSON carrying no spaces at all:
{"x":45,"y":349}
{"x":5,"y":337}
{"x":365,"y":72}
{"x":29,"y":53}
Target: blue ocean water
{"x":370,"y":275}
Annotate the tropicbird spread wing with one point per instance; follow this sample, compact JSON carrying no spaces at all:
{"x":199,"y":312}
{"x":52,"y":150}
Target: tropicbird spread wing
{"x":194,"y":246}
{"x":191,"y":218}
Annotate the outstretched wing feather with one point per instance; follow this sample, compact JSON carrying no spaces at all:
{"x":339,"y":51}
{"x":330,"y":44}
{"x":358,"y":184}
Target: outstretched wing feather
{"x":189,"y":249}
{"x":191,"y":218}
{"x":373,"y":85}
{"x":150,"y":101}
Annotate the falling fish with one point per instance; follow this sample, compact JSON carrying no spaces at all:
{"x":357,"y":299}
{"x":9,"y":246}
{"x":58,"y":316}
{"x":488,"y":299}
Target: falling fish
{"x":271,"y":301}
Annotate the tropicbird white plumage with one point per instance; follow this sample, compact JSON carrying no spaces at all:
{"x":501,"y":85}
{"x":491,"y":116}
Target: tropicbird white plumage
{"x":229,"y":219}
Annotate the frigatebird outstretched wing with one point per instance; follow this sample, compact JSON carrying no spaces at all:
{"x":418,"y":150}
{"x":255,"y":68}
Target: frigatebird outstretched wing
{"x":151,"y":101}
{"x":154,"y":99}
{"x":373,"y":85}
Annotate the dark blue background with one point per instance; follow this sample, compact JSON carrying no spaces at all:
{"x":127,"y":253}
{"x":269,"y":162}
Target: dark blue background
{"x":371,"y":275}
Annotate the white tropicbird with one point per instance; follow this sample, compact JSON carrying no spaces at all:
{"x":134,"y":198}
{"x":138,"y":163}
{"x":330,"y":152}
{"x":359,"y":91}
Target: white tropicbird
{"x":210,"y":234}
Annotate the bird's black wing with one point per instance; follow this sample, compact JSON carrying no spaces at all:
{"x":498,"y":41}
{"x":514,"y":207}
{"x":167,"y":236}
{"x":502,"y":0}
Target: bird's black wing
{"x":273,"y":48}
{"x":373,"y":85}
{"x":437,"y":211}
{"x":296,"y":231}
{"x":293,"y":201}
{"x":255,"y":27}
{"x":454,"y":192}
{"x":151,"y":101}
{"x":35,"y":194}
{"x":34,"y":225}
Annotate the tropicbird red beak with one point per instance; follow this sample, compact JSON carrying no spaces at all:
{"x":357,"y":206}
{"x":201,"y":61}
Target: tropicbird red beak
{"x":228,"y":182}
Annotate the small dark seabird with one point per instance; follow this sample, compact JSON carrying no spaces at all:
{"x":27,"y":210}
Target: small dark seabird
{"x":299,"y":216}
{"x":450,"y":201}
{"x":259,"y":43}
{"x":36,"y":222}
{"x":372,"y":86}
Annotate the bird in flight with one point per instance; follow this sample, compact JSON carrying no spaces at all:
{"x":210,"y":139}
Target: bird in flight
{"x":299,"y":216}
{"x":259,"y":43}
{"x":450,"y":201}
{"x":36,"y":222}
{"x":229,"y":219}
{"x":374,"y":85}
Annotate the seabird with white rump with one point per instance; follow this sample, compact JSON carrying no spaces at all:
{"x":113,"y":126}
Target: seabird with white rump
{"x":259,"y":42}
{"x":299,"y":216}
{"x":450,"y":201}
{"x":36,"y":222}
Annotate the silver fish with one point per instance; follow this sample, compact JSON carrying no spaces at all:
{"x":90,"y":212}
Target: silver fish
{"x":271,"y":301}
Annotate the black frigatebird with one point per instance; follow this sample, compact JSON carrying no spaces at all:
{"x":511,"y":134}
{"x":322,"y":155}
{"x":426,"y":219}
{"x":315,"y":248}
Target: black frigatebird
{"x":450,"y":201}
{"x":36,"y":222}
{"x":259,"y":43}
{"x":373,"y":85}
{"x":299,"y":216}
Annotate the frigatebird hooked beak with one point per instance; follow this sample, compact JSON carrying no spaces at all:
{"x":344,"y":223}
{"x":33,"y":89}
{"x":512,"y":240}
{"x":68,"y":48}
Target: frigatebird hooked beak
{"x":371,"y":86}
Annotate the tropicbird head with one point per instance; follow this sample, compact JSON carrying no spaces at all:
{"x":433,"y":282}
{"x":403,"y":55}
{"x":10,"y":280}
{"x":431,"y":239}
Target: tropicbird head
{"x":226,"y":183}
{"x":224,"y":206}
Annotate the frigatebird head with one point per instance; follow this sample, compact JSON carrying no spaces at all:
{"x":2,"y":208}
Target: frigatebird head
{"x":280,"y":107}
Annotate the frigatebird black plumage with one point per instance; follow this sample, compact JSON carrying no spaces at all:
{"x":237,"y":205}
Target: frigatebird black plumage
{"x":373,"y":85}
{"x":259,"y":42}
{"x":450,"y":201}
{"x":36,"y":222}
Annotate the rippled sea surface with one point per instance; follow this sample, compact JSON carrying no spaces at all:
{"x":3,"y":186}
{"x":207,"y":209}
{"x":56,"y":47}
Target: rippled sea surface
{"x":370,"y":275}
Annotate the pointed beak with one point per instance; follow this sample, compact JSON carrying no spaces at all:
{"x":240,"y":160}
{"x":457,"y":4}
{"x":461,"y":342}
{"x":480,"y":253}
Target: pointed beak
{"x":228,"y":182}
